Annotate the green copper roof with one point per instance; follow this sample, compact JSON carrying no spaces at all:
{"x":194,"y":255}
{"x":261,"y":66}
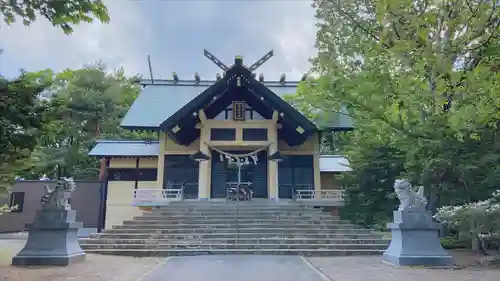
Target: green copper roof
{"x":334,"y":120}
{"x":125,"y":148}
{"x":158,"y":101}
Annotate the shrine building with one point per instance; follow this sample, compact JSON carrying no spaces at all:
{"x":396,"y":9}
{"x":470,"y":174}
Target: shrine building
{"x":205,"y":128}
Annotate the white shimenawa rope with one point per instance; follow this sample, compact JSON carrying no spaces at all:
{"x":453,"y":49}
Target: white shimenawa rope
{"x":238,"y":155}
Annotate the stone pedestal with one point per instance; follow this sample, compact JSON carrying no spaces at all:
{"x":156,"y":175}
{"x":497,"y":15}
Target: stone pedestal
{"x":52,"y":240}
{"x":415,"y":241}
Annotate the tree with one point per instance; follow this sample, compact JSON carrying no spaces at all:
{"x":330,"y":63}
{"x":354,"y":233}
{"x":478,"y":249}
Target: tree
{"x":62,"y":14}
{"x":20,"y":108}
{"x":84,"y":105}
{"x":21,"y":121}
{"x":477,"y":221}
{"x":376,"y":164}
{"x":425,"y":75}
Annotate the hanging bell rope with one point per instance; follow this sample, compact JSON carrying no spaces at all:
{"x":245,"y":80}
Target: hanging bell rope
{"x":253,"y":153}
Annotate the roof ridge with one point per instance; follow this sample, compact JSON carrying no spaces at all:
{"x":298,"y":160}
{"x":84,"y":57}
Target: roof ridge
{"x":189,"y":82}
{"x":128,"y":141}
{"x":332,"y":156}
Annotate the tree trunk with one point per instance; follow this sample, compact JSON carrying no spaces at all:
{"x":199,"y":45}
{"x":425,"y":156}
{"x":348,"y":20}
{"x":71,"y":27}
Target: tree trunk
{"x":102,"y":170}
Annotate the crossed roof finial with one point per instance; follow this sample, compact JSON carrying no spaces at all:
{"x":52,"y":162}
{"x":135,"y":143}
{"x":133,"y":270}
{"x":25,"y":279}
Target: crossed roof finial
{"x":225,"y":68}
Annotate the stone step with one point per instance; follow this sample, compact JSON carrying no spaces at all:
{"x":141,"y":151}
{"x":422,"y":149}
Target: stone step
{"x":252,"y":213}
{"x":122,"y":229}
{"x":233,"y":216}
{"x":233,"y":209}
{"x":232,"y":235}
{"x":243,"y":204}
{"x":261,"y":210}
{"x":231,"y":225}
{"x":233,"y":240}
{"x":235,"y":205}
{"x":239,"y":222}
{"x":189,"y":220}
{"x":193,"y":252}
{"x":240,"y":215}
{"x":234,"y":246}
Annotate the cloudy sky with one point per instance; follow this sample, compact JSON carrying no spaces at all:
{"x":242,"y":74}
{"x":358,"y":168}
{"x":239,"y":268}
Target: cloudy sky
{"x":174,"y":33}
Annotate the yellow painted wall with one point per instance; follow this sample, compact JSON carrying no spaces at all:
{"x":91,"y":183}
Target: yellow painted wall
{"x":169,"y":147}
{"x":120,"y":193}
{"x":207,"y":125}
{"x":144,"y":162}
{"x":147,"y":184}
{"x":172,"y":148}
{"x":122,"y":163}
{"x":328,"y":181}
{"x":307,"y":148}
{"x":161,"y":161}
{"x":148,"y":162}
{"x":118,"y":203}
{"x":239,"y":126}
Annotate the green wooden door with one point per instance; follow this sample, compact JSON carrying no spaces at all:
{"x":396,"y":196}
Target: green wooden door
{"x":179,"y":170}
{"x":223,"y":174}
{"x":295,"y":173}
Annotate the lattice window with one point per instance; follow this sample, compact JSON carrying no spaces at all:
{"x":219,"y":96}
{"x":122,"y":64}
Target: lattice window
{"x":132,"y":174}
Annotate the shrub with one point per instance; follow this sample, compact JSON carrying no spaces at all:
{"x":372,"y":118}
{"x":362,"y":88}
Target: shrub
{"x":478,"y":221}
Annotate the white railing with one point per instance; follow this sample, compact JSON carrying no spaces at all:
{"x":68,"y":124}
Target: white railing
{"x":151,"y":196}
{"x":331,"y":195}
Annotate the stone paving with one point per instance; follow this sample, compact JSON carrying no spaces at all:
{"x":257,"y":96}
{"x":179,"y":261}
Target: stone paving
{"x":235,"y":268}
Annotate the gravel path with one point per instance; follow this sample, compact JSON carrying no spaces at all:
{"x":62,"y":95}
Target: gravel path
{"x":95,"y":268}
{"x":262,"y":268}
{"x":372,"y":269}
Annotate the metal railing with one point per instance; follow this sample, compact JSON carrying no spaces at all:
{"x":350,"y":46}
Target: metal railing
{"x":331,"y":195}
{"x":152,"y":196}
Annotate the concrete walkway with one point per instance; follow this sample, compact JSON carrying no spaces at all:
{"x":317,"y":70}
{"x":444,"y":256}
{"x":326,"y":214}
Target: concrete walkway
{"x":234,"y":268}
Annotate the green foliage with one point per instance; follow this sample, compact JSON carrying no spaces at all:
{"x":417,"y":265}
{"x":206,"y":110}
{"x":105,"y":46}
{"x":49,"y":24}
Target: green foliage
{"x":376,"y":164}
{"x":84,"y":105}
{"x":62,"y":14}
{"x":421,"y":81}
{"x":475,"y":221}
{"x":451,"y":242}
{"x":21,"y":121}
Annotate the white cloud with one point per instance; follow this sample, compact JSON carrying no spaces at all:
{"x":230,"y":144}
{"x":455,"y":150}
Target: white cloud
{"x":290,"y":28}
{"x":42,"y":46}
{"x":170,"y":32}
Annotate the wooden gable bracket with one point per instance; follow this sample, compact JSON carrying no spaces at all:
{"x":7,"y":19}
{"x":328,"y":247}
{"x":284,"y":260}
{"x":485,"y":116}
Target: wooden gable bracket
{"x":275,"y":116}
{"x":202,"y":116}
{"x":176,"y":129}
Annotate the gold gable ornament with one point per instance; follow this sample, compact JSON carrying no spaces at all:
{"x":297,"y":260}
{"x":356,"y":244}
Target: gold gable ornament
{"x":238,"y":111}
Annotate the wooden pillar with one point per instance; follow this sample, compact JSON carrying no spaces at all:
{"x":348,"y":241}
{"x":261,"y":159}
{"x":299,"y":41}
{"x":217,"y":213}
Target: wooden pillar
{"x":204,"y":166}
{"x":272,"y":166}
{"x":161,"y":160}
{"x":316,"y":168}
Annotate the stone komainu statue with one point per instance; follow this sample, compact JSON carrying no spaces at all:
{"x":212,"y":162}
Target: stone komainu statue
{"x":408,"y":198}
{"x":58,"y":197}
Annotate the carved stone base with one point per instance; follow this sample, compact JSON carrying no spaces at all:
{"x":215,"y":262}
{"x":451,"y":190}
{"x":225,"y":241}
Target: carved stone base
{"x":415,"y":241}
{"x":52,"y":240}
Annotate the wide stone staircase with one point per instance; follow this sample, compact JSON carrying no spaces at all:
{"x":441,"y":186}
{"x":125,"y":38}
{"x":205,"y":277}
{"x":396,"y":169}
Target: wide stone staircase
{"x":198,"y":228}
